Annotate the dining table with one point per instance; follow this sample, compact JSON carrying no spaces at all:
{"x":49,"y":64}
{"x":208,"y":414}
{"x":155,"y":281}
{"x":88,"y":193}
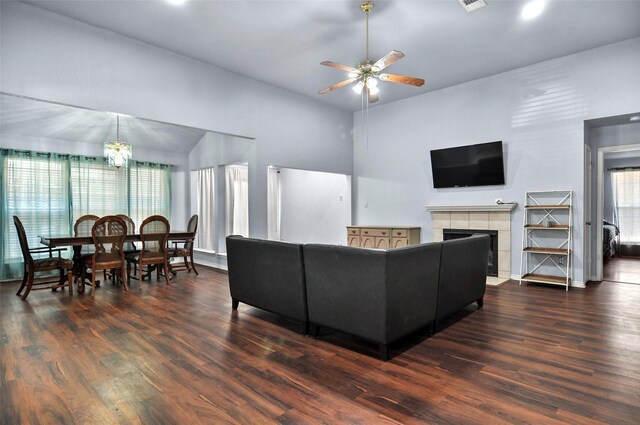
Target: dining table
{"x":77,"y":242}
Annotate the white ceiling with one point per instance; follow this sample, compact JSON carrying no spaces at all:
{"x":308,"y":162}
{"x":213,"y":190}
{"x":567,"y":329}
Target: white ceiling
{"x":38,"y":119}
{"x":283,"y":42}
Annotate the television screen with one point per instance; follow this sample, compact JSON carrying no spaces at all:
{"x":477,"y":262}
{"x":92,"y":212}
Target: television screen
{"x":473,"y":165}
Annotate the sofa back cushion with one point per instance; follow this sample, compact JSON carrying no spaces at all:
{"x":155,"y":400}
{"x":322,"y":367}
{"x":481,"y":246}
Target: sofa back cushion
{"x":268,"y":274}
{"x":463,"y":273}
{"x":345,"y":289}
{"x":374,"y":294}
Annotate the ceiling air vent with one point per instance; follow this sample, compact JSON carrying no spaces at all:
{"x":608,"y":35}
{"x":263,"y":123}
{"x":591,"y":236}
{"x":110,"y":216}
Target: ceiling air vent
{"x":470,"y":5}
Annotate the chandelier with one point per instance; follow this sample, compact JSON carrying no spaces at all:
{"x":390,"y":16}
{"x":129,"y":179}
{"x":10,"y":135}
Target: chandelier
{"x":116,"y":151}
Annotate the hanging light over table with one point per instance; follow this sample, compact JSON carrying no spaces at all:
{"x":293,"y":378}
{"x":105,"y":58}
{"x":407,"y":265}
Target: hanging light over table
{"x":116,"y":151}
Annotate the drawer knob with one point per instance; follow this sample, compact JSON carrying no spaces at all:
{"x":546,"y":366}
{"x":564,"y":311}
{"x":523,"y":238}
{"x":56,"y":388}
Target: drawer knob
{"x":384,"y":233}
{"x":366,"y":233}
{"x":399,"y":233}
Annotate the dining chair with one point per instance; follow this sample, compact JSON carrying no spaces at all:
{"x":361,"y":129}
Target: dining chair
{"x":129,"y":246}
{"x":185,"y":251}
{"x":82,"y":227}
{"x":108,"y":234}
{"x":35,"y":265}
{"x":154,"y":232}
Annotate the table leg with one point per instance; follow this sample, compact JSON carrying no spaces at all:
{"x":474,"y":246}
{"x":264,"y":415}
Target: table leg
{"x":77,"y":269}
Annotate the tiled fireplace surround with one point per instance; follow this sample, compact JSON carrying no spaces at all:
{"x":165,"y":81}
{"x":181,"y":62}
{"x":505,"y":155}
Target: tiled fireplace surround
{"x":479,"y":220}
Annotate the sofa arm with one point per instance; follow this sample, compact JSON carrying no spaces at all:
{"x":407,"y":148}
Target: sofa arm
{"x":463,"y":273}
{"x":412,"y":288}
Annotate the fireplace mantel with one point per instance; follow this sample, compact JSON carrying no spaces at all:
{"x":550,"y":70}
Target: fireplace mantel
{"x":468,"y":208}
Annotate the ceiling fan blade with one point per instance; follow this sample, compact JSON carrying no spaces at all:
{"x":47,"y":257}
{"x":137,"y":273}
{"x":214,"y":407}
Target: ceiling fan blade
{"x":418,"y":82}
{"x":391,"y":57}
{"x":337,"y":85}
{"x":339,"y":66}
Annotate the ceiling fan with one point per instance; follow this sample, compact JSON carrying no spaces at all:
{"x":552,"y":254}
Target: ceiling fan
{"x":367,"y":73}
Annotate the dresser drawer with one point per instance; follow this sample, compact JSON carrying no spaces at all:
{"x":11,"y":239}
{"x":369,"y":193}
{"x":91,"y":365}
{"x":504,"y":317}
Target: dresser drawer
{"x":375,"y":232}
{"x":399,"y":233}
{"x":353,"y":231}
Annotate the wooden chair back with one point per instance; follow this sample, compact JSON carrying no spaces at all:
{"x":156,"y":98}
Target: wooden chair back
{"x":82,"y":227}
{"x":154,"y":233}
{"x":109,"y":234}
{"x":192,"y":227}
{"x":129,"y":246}
{"x":24,"y":243}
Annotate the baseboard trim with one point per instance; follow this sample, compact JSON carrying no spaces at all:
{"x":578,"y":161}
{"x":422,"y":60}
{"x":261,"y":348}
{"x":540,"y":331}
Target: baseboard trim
{"x":574,"y":283}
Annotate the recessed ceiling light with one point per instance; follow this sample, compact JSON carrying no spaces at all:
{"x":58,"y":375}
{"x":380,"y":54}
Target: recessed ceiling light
{"x":177,"y":2}
{"x":532,"y":9}
{"x":635,"y":118}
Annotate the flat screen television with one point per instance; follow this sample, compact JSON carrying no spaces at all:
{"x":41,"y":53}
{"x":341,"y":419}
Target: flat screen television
{"x":472,"y":165}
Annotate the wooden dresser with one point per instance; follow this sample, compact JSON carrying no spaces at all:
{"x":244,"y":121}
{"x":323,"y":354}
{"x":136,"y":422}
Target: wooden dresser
{"x":382,"y":237}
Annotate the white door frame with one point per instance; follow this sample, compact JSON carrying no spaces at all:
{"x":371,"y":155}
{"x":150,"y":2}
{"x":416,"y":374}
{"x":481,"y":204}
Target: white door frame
{"x":600,"y":200}
{"x":588,"y":218}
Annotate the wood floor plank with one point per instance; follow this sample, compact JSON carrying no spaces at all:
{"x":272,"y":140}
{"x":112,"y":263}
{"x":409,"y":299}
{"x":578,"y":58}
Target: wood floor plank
{"x":179,"y":354}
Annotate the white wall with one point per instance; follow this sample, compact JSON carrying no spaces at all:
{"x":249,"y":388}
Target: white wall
{"x":315,"y":207}
{"x":537,"y":111}
{"x":51,"y":57}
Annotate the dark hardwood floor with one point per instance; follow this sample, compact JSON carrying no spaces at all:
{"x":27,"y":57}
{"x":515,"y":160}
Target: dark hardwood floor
{"x":622,"y":269}
{"x":179,"y":355}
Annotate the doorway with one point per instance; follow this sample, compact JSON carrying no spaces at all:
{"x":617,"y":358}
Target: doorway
{"x":308,"y":206}
{"x":611,"y":145}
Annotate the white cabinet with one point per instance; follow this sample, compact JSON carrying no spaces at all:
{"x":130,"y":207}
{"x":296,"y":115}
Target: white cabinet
{"x":382,"y":237}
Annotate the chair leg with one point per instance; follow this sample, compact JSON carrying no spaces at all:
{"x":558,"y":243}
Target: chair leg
{"x":29,"y":285}
{"x":166,"y":271}
{"x":140,"y":280}
{"x":234,"y":304}
{"x":93,"y":281}
{"x":193,"y":265}
{"x":186,"y":264}
{"x":60,"y":281}
{"x":124,"y":273}
{"x":24,"y":281}
{"x":480,"y":302}
{"x":70,"y":281}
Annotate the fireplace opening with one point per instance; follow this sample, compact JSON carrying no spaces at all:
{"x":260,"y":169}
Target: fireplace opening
{"x":492,"y":266}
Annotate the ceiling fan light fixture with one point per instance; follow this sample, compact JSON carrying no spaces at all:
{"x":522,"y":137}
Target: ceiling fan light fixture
{"x":358,"y":87}
{"x":373,"y":90}
{"x":371,"y":83}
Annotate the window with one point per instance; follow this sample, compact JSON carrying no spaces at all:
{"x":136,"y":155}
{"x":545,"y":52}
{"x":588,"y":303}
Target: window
{"x":205,"y":208}
{"x":149,"y":191}
{"x":48,"y":192}
{"x":626,"y":195}
{"x":97,"y":188}
{"x":237,"y":199}
{"x":35,"y":188}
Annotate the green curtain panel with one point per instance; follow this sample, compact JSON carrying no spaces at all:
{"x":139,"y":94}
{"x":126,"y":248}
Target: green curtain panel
{"x":35,"y":187}
{"x":48,"y":192}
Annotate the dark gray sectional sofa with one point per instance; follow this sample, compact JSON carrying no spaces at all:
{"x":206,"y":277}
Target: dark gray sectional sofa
{"x":378,"y":295}
{"x":268,"y":275}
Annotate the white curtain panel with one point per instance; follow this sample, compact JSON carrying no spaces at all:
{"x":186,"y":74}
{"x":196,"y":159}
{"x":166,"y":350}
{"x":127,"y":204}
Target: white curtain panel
{"x":206,"y":209}
{"x":237,"y":200}
{"x":273,"y":204}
